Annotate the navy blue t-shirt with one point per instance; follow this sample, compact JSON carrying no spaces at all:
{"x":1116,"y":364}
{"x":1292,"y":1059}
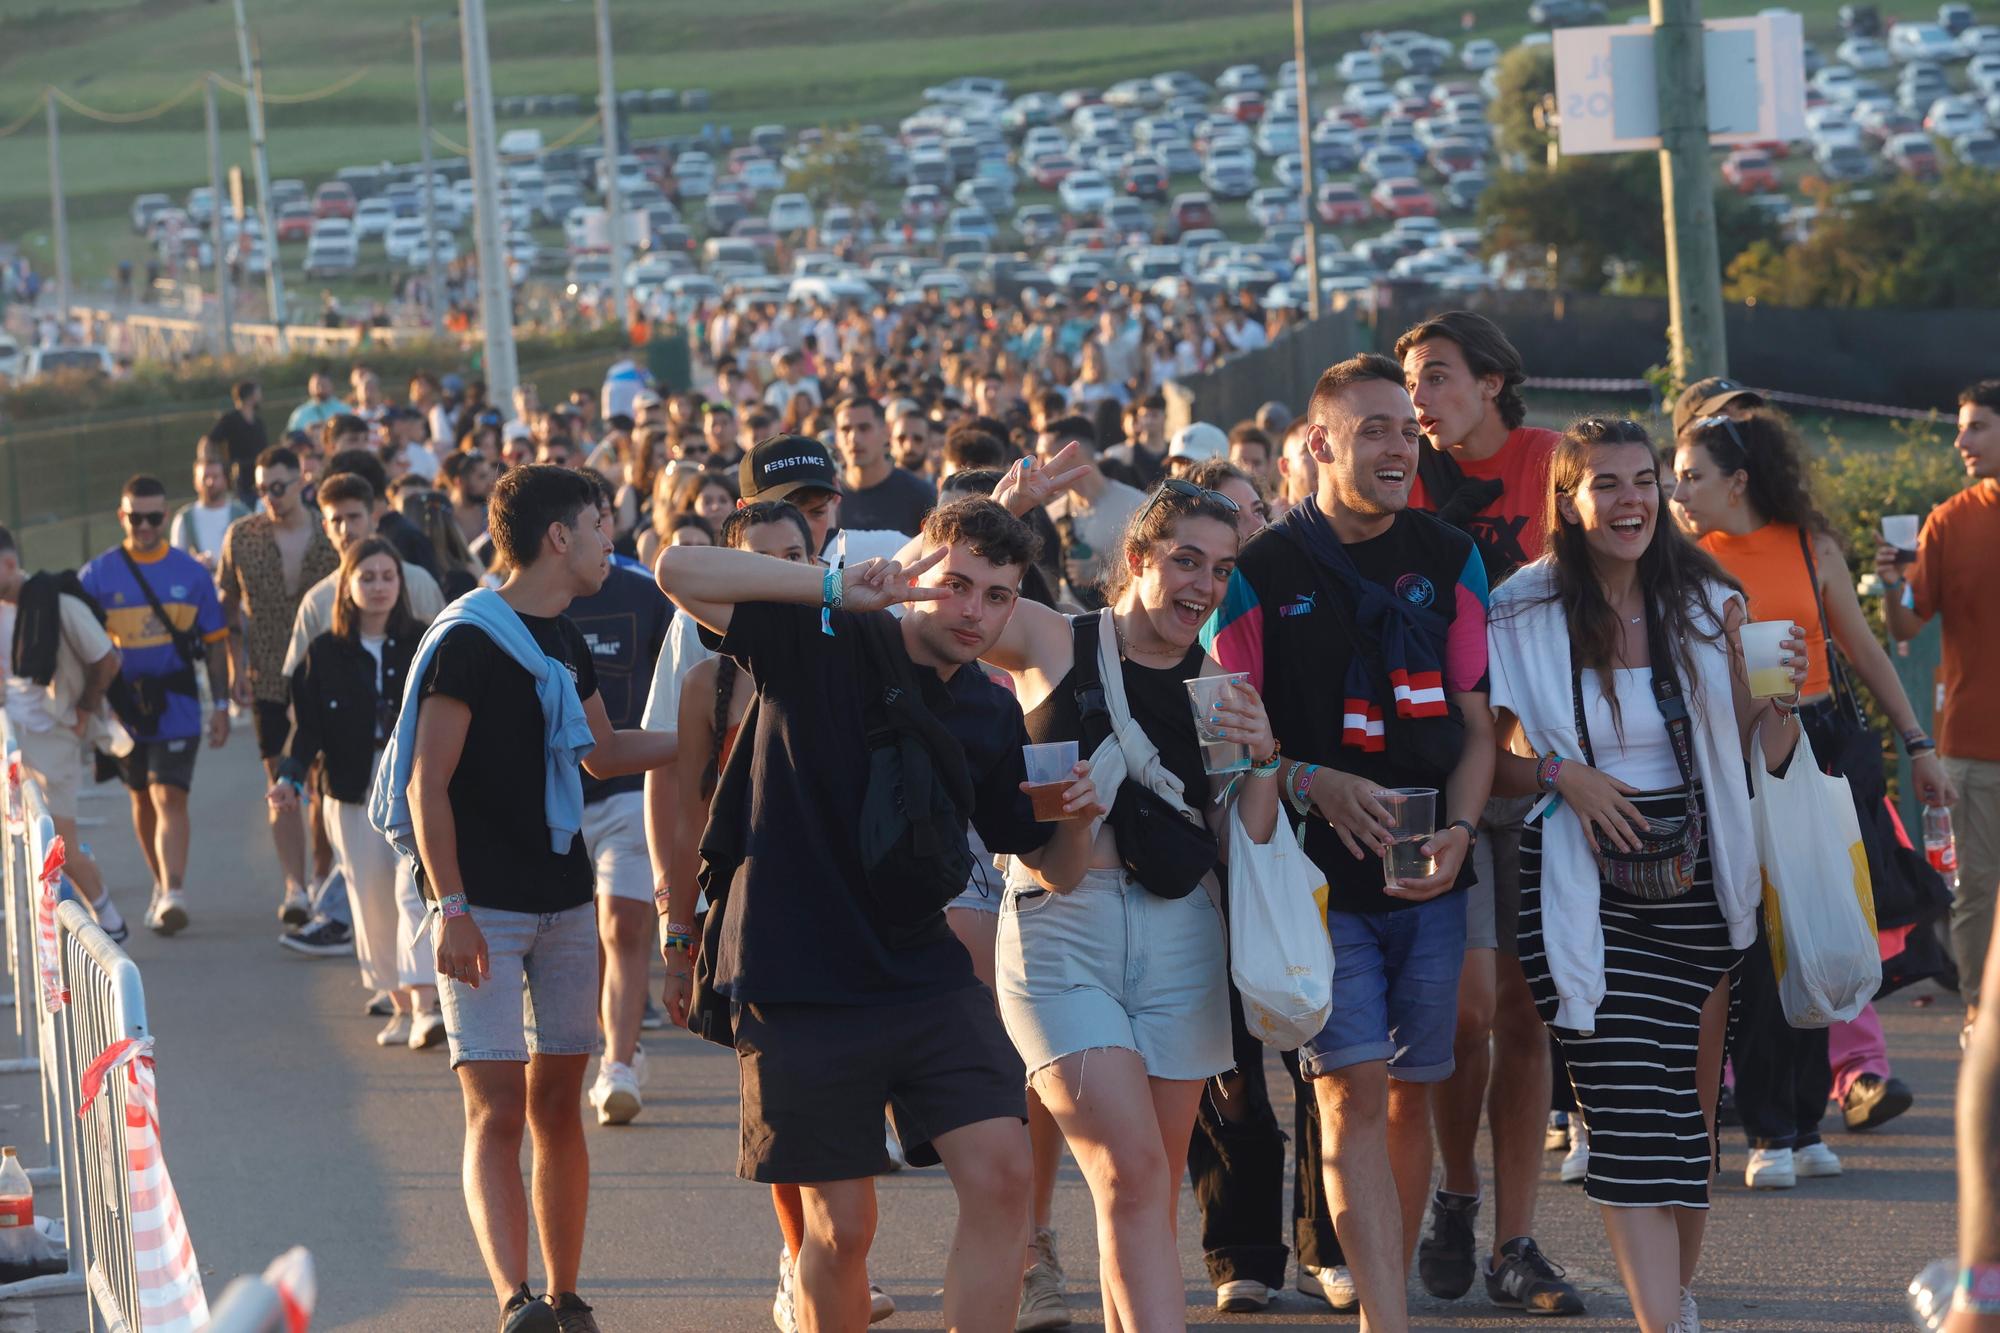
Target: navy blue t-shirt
{"x":623,"y":623}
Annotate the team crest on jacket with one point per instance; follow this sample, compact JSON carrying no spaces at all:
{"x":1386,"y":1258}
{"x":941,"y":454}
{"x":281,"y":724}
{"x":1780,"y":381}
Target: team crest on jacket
{"x":1416,"y":590}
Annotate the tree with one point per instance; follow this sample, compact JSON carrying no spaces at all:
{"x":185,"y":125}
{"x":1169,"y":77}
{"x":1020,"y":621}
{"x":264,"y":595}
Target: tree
{"x":842,"y":168}
{"x":1527,"y":74}
{"x":1907,"y":244}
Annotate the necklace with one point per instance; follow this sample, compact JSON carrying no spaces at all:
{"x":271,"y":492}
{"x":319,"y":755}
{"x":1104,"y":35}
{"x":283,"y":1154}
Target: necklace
{"x":1125,"y":649}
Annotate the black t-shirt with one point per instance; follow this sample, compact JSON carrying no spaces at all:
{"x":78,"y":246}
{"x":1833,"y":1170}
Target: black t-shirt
{"x":244,"y":438}
{"x":795,"y":932}
{"x":897,"y":503}
{"x":1301,"y":652}
{"x":1136,"y":467}
{"x":497,"y":799}
{"x":408,"y":539}
{"x":624,"y":623}
{"x":1157,"y":698}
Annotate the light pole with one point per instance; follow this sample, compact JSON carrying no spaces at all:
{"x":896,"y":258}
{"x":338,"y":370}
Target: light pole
{"x":614,"y":199}
{"x":1306,"y":172}
{"x":1687,"y":188}
{"x":433,"y":273}
{"x":496,"y":290}
{"x":260,"y":161}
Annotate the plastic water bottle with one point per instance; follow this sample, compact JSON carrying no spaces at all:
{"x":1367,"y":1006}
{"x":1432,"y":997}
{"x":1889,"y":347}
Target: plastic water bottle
{"x":1931,"y":1292}
{"x":17,"y":1211}
{"x":1939,"y":847}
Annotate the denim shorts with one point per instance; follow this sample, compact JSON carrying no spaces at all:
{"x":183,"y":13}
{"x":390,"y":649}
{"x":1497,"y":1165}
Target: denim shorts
{"x":1109,"y":964}
{"x":540,"y":995}
{"x":1395,"y":991}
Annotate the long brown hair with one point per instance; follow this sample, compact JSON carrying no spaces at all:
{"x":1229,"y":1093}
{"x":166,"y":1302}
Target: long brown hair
{"x":1674,"y":574}
{"x":347,"y":616}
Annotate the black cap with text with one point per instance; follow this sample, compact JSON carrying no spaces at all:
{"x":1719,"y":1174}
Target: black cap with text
{"x":783,"y":464}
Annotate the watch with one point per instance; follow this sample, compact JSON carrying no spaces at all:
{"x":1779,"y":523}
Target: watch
{"x":1471,"y":831}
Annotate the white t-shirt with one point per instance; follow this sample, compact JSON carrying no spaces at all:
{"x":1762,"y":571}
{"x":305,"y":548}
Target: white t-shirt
{"x":208,"y":523}
{"x":422,"y":462}
{"x":33,"y":707}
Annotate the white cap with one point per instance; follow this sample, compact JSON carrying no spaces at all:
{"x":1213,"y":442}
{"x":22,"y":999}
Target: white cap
{"x":516,"y":430}
{"x":1199,"y":441}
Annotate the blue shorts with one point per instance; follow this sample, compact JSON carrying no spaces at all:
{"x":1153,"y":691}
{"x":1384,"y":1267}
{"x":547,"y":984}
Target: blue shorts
{"x":1395,"y":991}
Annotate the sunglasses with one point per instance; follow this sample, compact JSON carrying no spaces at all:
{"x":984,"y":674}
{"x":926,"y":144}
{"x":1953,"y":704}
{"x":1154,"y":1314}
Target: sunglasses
{"x":275,"y":489}
{"x":1183,"y":490}
{"x":145,"y":518}
{"x":1728,"y":424}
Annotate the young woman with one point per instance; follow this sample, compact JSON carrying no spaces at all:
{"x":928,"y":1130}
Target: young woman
{"x":1119,"y":1053}
{"x":1092,"y":384}
{"x":1635,"y":985}
{"x":344,"y":697}
{"x":459,"y":570}
{"x":1742,"y":494}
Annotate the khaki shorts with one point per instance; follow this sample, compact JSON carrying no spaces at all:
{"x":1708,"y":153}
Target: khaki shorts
{"x":54,"y":758}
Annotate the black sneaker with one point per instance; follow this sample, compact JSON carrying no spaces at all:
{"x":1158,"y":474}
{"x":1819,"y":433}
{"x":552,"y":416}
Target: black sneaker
{"x":1874,"y":1100}
{"x":379,"y":1005}
{"x":572,"y":1315}
{"x":1444,"y":1256}
{"x":526,"y":1312}
{"x":1527,"y":1281}
{"x":322,"y":939}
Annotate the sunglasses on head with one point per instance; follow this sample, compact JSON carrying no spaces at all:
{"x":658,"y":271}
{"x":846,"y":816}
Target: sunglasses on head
{"x":1184,"y":490}
{"x":1728,"y":424}
{"x":145,"y":518}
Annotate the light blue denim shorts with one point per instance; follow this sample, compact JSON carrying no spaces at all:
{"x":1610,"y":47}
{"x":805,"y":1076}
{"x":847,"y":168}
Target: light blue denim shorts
{"x":540,"y":997}
{"x":1109,"y":964}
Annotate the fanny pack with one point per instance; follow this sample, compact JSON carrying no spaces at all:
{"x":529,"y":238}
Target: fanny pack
{"x":1664,"y":866}
{"x":141,"y":703}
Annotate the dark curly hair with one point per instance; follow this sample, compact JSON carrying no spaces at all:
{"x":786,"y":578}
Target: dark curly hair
{"x":1763,"y":446}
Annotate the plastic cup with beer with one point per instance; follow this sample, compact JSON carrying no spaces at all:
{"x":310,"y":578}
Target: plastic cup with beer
{"x":1764,"y":657}
{"x":1049,"y":776}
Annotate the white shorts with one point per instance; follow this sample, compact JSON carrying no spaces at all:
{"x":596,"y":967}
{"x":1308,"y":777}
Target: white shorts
{"x":614,"y":833}
{"x":53,"y":758}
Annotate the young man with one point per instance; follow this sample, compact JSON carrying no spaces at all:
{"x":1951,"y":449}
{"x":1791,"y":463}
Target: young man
{"x":269,"y":559}
{"x":1356,"y":555}
{"x":59,"y":664}
{"x":831,"y":1019}
{"x":1091,"y":515}
{"x":240,"y":434}
{"x":468,"y":481}
{"x":1141,"y":460}
{"x":878,"y":493}
{"x":1487,"y":474}
{"x":718,"y":430}
{"x":490,"y":803}
{"x":412,"y":546}
{"x":1952,"y":580}
{"x":200,"y":524}
{"x":624,"y":623}
{"x":126,"y":581}
{"x":320,"y":404}
{"x":791,"y":383}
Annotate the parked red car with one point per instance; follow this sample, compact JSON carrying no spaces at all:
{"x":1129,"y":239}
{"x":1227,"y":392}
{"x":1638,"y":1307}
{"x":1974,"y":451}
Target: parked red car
{"x":1190,"y":211}
{"x":1403,"y":197}
{"x":1049,"y":172}
{"x":295,"y":223}
{"x":1749,"y":171}
{"x":1341,"y":205}
{"x":335,"y":199}
{"x":1246,"y":107}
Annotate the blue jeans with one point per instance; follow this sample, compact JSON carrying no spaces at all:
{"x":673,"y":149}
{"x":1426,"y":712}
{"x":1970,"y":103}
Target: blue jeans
{"x":1395,"y":991}
{"x":329,"y":899}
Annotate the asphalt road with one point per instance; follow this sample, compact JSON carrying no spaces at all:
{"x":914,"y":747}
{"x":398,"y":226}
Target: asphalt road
{"x":285,"y":1124}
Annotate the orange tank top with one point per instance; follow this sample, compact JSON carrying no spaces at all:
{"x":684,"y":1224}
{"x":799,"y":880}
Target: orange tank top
{"x":1772,"y":569}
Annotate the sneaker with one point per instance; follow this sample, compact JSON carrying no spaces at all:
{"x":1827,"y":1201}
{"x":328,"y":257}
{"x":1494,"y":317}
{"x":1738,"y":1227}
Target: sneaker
{"x":615,"y":1094}
{"x":654,"y":1018}
{"x":572,"y":1315}
{"x":1526,"y":1280}
{"x":1874,"y":1101}
{"x":525,"y":1312}
{"x":639,"y":1062}
{"x":1690,"y":1320}
{"x":322,"y":939}
{"x":1042,"y":1302}
{"x":1556,"y":1137}
{"x":880,"y":1304}
{"x":1242,"y":1296}
{"x":296,"y":910}
{"x":396,"y":1032}
{"x":1814,"y":1161}
{"x":1333,"y":1285}
{"x":1576,"y":1162}
{"x":110,"y":920}
{"x":782,"y":1313}
{"x":168,"y":915}
{"x":426,"y":1030}
{"x":1444,"y":1255}
{"x":896,"y":1159}
{"x":379,"y":1005}
{"x":1770,"y":1169}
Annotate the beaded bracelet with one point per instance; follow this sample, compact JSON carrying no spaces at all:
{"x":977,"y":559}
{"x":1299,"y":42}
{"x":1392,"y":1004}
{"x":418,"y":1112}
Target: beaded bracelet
{"x":451,"y":905}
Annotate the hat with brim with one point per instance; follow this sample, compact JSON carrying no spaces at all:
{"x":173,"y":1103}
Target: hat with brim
{"x":784,"y":466}
{"x":1708,"y":397}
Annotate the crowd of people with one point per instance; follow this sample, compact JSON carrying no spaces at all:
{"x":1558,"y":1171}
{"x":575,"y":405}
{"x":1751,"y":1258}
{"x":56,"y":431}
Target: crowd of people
{"x":912,"y":555}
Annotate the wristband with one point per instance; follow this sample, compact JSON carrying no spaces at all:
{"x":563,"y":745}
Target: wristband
{"x":1267,"y":768}
{"x":451,"y":905}
{"x":1978,"y":1289}
{"x":222,"y":705}
{"x":1471,"y":830}
{"x":672,"y":941}
{"x":1916,"y":742}
{"x":830,"y":594}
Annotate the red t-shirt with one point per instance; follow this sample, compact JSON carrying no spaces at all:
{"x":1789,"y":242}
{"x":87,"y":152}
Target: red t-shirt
{"x":1508,"y":531}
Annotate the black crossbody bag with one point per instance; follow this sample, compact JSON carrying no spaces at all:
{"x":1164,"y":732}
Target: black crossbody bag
{"x":1663,"y":868}
{"x":141,"y":703}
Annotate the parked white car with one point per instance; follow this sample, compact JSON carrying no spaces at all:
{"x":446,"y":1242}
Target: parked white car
{"x":1923,"y":41}
{"x":790,"y":213}
{"x":1084,"y":193}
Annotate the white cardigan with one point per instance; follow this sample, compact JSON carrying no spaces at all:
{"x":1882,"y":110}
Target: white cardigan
{"x":1529,"y":662}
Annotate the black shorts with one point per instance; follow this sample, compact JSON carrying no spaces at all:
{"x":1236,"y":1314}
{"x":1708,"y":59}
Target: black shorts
{"x":160,"y":763}
{"x":816,"y":1078}
{"x":274,"y":727}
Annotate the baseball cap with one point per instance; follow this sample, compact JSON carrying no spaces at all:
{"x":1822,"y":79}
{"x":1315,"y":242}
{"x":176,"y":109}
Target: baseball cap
{"x":1199,"y":441}
{"x":1707,"y":398}
{"x":645,"y":398}
{"x":516,"y":430}
{"x":1280,"y":416}
{"x":783,"y":464}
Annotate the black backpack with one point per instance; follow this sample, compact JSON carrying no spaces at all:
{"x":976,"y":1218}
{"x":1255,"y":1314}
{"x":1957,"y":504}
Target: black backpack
{"x":914,"y":853}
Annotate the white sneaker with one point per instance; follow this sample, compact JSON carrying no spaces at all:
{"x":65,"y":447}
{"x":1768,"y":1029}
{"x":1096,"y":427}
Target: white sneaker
{"x":1690,"y":1320}
{"x":168,"y":915}
{"x":1242,"y":1296}
{"x":296,"y":910}
{"x":880,"y":1304}
{"x":615,"y":1094}
{"x":639,"y":1062}
{"x":781,"y":1304}
{"x":1771,"y":1169}
{"x":396,"y":1032}
{"x":1815,"y":1161}
{"x":1576,"y":1162}
{"x":1556,"y":1137}
{"x":426,"y":1030}
{"x":1333,"y":1285}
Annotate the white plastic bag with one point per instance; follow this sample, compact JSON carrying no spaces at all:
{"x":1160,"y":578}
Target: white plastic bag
{"x":1279,"y":954}
{"x":1819,"y":905}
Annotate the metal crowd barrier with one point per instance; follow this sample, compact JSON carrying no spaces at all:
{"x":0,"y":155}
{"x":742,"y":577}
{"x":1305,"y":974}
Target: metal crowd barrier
{"x":19,"y":964}
{"x":270,"y":1303}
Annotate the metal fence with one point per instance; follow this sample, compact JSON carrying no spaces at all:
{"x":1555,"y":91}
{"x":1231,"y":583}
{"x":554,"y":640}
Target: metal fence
{"x":1285,"y":371}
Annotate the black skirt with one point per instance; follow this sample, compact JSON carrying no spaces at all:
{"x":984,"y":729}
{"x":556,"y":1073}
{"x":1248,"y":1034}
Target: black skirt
{"x":1634,"y":1077}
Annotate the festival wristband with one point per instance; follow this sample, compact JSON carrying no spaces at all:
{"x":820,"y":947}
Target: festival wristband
{"x":830,"y":594}
{"x":451,"y":905}
{"x":677,"y":942}
{"x":1978,"y":1290}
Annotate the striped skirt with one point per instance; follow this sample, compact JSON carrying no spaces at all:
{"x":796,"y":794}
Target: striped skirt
{"x":1634,"y":1078}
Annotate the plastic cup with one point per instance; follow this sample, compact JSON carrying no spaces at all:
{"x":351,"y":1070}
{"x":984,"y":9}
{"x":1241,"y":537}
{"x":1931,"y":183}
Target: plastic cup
{"x":1764,"y":657}
{"x":1900,"y":531}
{"x":1413,"y":819}
{"x":1049,"y":766}
{"x":1218,"y":753}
